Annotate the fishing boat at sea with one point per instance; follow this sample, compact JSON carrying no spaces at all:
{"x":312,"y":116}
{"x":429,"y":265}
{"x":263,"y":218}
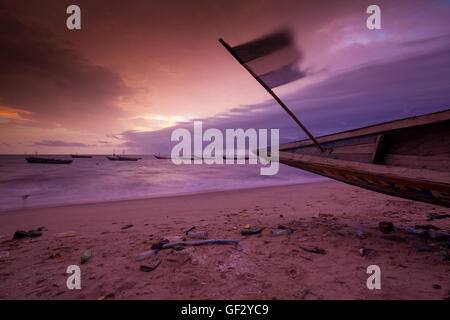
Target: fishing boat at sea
{"x":79,"y":156}
{"x":47,"y":160}
{"x":162,"y":157}
{"x":123,"y":158}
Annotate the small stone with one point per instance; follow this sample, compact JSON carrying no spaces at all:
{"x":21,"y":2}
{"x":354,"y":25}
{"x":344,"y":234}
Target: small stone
{"x":159,"y":245}
{"x":386,"y":226}
{"x":19,"y":234}
{"x":436,"y":286}
{"x":128,"y":226}
{"x":361,"y":234}
{"x":34,"y":234}
{"x":55,"y":255}
{"x":250,"y":231}
{"x":438,"y":235}
{"x":366,"y":252}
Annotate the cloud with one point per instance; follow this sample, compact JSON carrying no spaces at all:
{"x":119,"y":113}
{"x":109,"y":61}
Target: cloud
{"x":364,"y":96}
{"x":44,"y":75}
{"x":59,"y":143}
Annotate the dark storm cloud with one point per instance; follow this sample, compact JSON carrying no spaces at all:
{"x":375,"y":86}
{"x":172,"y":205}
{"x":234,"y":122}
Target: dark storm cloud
{"x":43,"y":74}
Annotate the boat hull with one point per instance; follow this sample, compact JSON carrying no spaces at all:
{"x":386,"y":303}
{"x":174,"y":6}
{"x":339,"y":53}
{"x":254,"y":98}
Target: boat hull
{"x":80,"y":157}
{"x":120,"y":158}
{"x":390,"y":183}
{"x":47,"y":160}
{"x":162,"y":157}
{"x":408,"y":158}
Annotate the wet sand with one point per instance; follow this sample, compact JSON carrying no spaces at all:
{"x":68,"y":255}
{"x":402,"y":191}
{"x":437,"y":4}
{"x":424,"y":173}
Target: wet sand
{"x":325,"y":215}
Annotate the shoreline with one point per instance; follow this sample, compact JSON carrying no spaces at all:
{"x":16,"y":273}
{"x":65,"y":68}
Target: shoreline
{"x":325,"y":215}
{"x":7,"y":211}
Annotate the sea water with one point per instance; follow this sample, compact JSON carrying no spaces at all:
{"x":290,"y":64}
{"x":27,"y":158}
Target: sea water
{"x":97,"y":179}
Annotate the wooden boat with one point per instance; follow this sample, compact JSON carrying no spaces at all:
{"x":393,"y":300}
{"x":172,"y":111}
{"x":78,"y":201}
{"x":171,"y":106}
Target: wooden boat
{"x":123,"y":158}
{"x":408,"y":158}
{"x":236,"y":158}
{"x":160,"y":157}
{"x":47,"y":160}
{"x":77,"y":156}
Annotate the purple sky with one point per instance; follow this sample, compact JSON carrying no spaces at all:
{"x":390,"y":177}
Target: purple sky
{"x":139,"y":69}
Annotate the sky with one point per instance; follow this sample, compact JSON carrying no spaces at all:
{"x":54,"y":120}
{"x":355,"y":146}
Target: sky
{"x":139,"y":69}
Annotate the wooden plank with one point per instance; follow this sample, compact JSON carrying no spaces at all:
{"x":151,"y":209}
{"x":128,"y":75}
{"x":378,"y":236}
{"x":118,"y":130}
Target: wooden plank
{"x":375,"y":129}
{"x":418,"y":162}
{"x":359,"y":157}
{"x":359,"y":148}
{"x":371,"y":139}
{"x":346,"y":152}
{"x":420,"y":176}
{"x":429,"y":140}
{"x":379,"y":146}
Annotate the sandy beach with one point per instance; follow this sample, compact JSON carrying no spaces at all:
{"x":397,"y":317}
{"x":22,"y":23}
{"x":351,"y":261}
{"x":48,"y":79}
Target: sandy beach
{"x":324,"y":215}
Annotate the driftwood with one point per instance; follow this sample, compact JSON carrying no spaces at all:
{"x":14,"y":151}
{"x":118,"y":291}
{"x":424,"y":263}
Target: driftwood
{"x":198,"y":243}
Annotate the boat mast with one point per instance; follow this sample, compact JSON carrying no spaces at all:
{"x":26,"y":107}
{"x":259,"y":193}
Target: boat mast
{"x":270,"y":91}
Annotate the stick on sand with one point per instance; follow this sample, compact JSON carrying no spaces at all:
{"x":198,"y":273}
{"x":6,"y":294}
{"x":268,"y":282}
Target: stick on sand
{"x":198,"y":243}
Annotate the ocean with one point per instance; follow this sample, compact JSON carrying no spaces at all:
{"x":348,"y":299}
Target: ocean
{"x":27,"y":185}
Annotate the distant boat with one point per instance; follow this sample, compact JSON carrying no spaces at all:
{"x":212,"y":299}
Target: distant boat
{"x":47,"y":160}
{"x":157,"y":156}
{"x":236,"y":158}
{"x":123,"y":158}
{"x":80,"y":156}
{"x":408,"y":158}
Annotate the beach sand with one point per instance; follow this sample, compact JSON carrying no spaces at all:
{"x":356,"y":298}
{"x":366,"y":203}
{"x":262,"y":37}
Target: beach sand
{"x":325,"y":215}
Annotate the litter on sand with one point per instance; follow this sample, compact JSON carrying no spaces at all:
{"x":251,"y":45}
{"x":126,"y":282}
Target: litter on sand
{"x":366,"y":252}
{"x":151,"y":265}
{"x":146,"y":254}
{"x":198,"y":234}
{"x":69,"y":234}
{"x":274,"y":233}
{"x":250,"y":231}
{"x":361,"y":234}
{"x":19,"y":234}
{"x":314,"y":250}
{"x":86,"y":256}
{"x":421,"y":232}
